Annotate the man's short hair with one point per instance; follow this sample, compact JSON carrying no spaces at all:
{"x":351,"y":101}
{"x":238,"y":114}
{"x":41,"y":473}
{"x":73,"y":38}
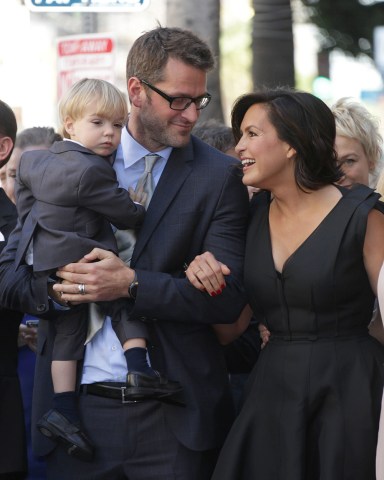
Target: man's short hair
{"x":150,"y":53}
{"x":216,"y":134}
{"x":36,"y":136}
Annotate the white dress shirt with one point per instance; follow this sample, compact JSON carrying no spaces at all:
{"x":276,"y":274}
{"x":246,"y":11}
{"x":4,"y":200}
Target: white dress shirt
{"x":104,"y":357}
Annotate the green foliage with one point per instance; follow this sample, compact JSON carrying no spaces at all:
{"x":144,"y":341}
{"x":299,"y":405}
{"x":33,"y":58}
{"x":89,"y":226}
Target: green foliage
{"x":346,"y":24}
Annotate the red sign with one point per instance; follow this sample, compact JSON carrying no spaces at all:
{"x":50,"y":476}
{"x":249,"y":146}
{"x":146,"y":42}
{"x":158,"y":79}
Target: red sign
{"x":80,"y":56}
{"x":85,"y":45}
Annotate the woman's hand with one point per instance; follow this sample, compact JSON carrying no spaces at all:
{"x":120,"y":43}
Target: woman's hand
{"x":207,"y":274}
{"x":227,"y":333}
{"x":27,"y":336}
{"x":264,"y":335}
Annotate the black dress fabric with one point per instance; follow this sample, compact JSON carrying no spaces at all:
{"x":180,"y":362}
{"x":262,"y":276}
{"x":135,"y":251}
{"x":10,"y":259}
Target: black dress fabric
{"x":314,"y":397}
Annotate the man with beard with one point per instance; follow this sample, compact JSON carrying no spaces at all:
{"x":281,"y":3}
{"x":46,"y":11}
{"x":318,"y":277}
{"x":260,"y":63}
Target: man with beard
{"x":198,"y":204}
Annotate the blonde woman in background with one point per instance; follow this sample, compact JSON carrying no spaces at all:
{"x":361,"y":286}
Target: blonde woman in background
{"x":358,"y":143}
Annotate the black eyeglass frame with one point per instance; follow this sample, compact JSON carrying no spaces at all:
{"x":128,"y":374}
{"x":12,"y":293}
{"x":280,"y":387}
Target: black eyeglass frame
{"x":207,"y":96}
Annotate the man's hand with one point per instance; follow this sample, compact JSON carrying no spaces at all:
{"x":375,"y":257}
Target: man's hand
{"x":104,"y":276}
{"x":207,"y":274}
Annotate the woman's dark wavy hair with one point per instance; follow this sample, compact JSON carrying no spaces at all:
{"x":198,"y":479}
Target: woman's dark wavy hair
{"x":304,"y":122}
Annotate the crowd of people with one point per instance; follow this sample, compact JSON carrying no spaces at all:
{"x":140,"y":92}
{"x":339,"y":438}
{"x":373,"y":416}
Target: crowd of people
{"x":151,"y":258}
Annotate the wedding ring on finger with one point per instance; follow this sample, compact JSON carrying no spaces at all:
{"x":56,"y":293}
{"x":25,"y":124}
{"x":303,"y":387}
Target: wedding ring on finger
{"x":81,"y":288}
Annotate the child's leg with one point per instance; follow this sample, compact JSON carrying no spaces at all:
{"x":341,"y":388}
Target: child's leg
{"x":142,"y":380}
{"x":135,"y":352}
{"x":134,"y":342}
{"x":62,"y":422}
{"x":133,"y":335}
{"x":64,"y":375}
{"x":68,"y":349}
{"x":64,"y":386}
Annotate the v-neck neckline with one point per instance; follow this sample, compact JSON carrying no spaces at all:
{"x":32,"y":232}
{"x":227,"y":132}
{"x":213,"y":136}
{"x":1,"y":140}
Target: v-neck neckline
{"x":306,"y":240}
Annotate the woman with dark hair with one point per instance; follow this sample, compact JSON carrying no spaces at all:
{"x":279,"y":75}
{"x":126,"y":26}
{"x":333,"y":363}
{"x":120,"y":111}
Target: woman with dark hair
{"x":313,"y":255}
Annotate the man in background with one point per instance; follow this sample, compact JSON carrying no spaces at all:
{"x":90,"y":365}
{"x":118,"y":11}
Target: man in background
{"x":13,"y":458}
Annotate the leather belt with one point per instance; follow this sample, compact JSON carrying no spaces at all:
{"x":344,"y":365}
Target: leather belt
{"x":113,"y":390}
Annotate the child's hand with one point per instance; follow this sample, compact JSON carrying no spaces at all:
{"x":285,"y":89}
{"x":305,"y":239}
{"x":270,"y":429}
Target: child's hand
{"x":139,"y":197}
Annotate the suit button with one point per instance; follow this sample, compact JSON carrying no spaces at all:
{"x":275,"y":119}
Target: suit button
{"x":143,"y":319}
{"x":41,"y":307}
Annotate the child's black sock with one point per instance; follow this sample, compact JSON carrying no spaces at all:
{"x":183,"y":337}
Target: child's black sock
{"x":137,"y":361}
{"x":66,"y":404}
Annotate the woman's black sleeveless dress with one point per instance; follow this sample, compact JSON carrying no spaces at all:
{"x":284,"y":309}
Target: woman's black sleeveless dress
{"x":313,"y":403}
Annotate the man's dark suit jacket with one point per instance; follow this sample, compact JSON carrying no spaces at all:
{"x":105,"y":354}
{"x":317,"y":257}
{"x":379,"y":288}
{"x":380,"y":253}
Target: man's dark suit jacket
{"x":13,"y":447}
{"x":67,"y":197}
{"x":199,"y":204}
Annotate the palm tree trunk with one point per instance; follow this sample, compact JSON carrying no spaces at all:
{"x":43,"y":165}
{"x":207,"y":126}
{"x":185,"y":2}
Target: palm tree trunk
{"x":202,"y":17}
{"x":272,"y":44}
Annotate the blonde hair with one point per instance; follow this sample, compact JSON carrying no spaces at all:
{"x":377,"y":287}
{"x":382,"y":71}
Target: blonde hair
{"x":111,"y":102}
{"x":353,"y":120}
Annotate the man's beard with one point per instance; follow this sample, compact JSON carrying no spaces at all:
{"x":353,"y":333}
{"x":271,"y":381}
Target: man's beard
{"x":162,"y":132}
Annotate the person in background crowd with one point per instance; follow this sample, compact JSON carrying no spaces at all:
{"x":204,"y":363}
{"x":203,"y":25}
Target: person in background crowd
{"x":13,"y":451}
{"x":313,"y":255}
{"x":199,"y":203}
{"x":3,"y":176}
{"x":216,"y":134}
{"x":358,"y":143}
{"x":34,"y":138}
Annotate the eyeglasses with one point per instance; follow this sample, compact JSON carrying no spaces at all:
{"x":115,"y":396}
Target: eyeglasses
{"x":181,"y":103}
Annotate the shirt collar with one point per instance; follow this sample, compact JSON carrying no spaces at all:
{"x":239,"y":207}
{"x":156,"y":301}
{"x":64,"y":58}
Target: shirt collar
{"x":74,"y":141}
